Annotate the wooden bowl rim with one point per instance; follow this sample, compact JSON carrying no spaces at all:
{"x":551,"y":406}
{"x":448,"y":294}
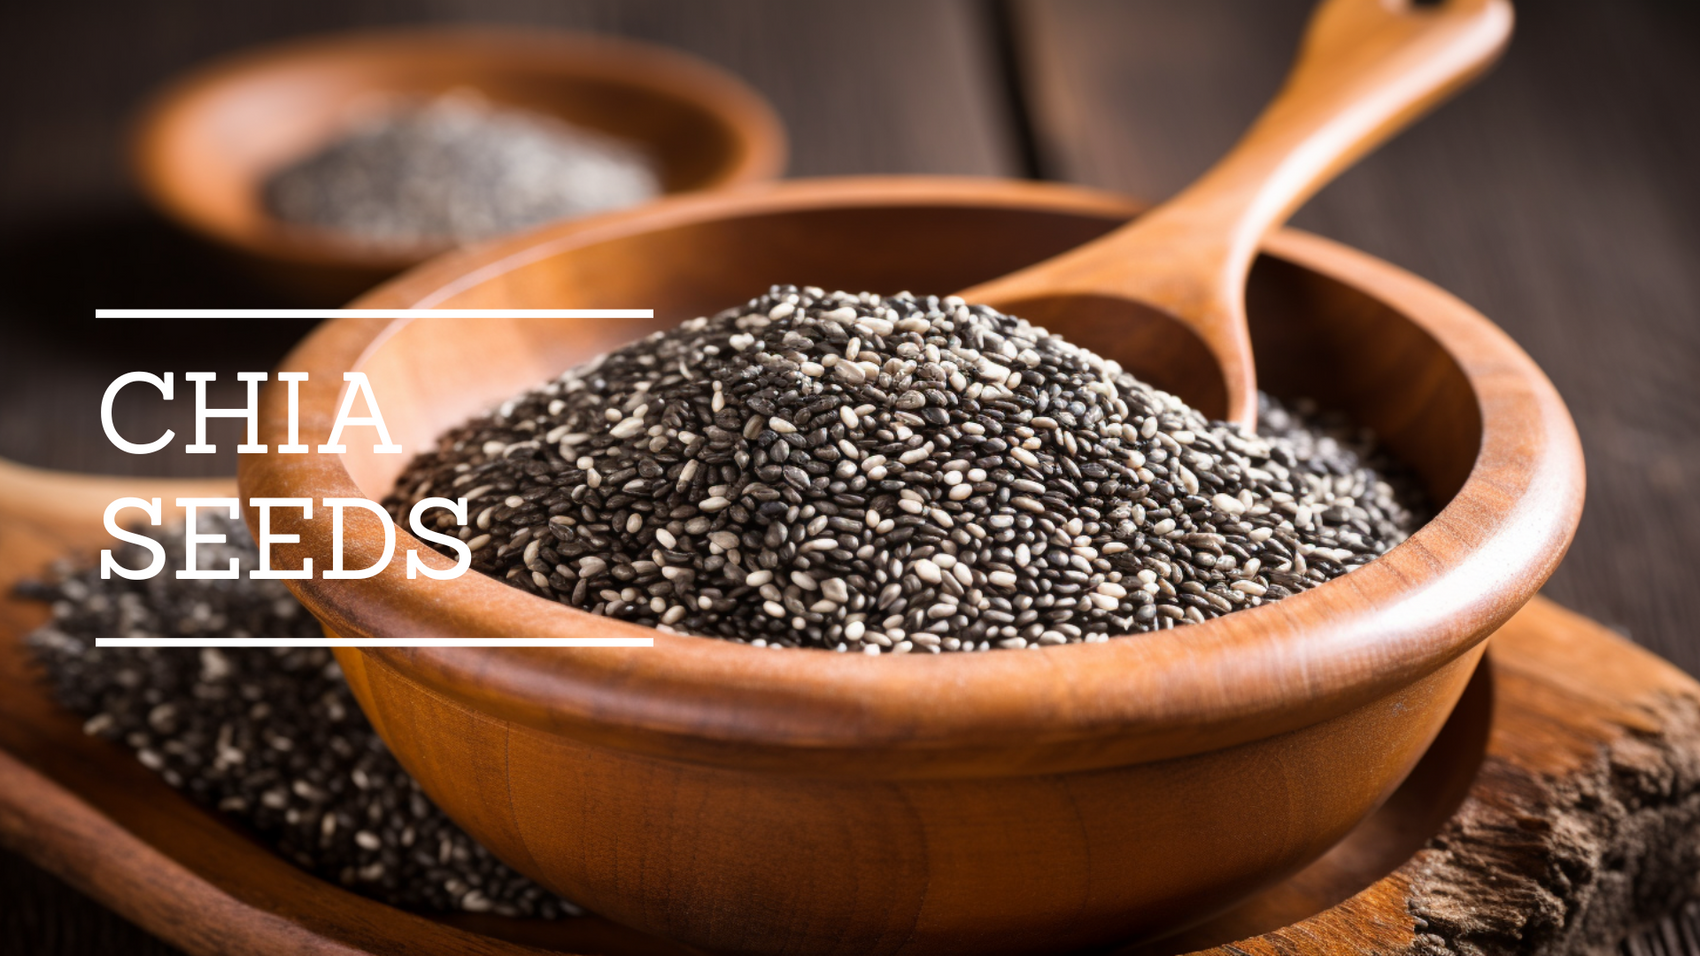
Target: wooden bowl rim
{"x":760,"y":150}
{"x":1241,"y":677}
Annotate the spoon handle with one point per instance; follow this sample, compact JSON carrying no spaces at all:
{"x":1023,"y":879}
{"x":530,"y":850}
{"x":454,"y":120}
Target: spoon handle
{"x":45,"y":513}
{"x":1365,"y":70}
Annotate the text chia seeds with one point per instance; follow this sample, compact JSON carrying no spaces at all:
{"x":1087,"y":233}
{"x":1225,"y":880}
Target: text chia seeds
{"x":899,"y":474}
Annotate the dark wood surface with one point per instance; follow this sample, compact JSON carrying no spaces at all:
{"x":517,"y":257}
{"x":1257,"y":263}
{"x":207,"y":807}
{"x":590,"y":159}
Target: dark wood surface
{"x":1559,"y":197}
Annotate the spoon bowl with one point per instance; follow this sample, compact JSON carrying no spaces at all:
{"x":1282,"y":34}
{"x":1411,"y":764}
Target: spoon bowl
{"x":1365,"y":70}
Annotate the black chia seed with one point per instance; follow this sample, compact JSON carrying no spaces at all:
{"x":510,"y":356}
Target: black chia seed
{"x":271,"y":737}
{"x":899,"y":474}
{"x":457,"y":169}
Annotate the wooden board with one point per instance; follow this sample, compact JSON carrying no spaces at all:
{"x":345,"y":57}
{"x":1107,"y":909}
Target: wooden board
{"x":1588,"y":795}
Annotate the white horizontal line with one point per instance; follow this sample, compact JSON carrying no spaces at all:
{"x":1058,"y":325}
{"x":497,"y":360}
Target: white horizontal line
{"x":374,"y":313}
{"x":189,"y":643}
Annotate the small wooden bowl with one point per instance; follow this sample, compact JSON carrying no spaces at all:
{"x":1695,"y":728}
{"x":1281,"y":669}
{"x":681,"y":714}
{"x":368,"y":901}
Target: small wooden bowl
{"x":206,"y":145}
{"x":757,"y":800}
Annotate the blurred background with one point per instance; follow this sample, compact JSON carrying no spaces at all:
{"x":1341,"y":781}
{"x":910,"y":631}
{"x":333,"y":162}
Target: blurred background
{"x":1559,"y":197}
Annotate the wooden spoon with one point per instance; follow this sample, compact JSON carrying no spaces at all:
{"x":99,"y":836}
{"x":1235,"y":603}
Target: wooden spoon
{"x":46,"y":515}
{"x":1365,"y":69}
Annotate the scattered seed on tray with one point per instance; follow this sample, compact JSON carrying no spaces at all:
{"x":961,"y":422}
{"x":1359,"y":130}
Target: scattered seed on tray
{"x":272,"y":737}
{"x":458,"y":169}
{"x":899,"y":474}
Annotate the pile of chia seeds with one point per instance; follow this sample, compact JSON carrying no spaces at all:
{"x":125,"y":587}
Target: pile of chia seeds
{"x":899,"y":474}
{"x":457,"y":169}
{"x":271,"y":737}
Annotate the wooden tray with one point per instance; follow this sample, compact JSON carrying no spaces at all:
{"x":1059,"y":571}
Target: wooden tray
{"x":1559,"y":809}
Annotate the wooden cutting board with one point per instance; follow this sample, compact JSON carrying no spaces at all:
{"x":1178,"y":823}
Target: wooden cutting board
{"x":1558,"y":811}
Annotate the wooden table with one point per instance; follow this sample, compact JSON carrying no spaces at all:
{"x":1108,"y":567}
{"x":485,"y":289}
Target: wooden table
{"x":1559,"y":197}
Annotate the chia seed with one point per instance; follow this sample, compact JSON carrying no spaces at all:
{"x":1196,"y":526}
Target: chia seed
{"x":456,"y":169}
{"x":273,"y":738}
{"x":900,"y":474}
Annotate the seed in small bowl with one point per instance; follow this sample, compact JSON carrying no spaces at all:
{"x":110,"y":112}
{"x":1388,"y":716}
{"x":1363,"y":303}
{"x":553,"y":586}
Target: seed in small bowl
{"x":458,"y":169}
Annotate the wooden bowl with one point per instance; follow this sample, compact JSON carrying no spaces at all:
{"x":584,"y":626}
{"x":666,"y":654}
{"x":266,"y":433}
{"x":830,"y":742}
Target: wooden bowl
{"x":206,"y":145}
{"x":757,"y":800}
